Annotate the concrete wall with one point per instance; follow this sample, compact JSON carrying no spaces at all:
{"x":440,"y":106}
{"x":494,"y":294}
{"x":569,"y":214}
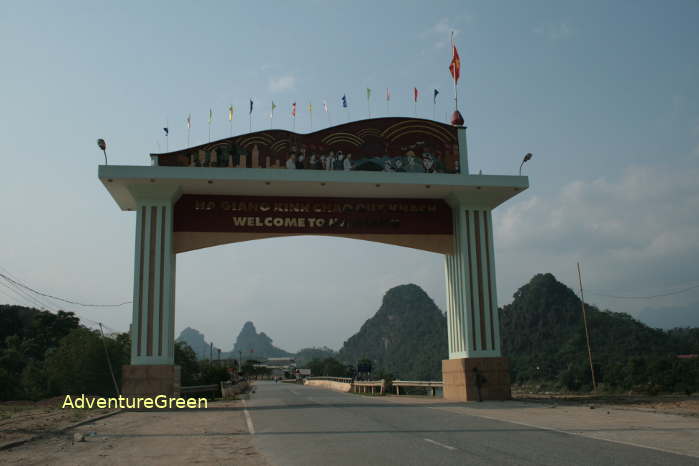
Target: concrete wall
{"x":338,"y":386}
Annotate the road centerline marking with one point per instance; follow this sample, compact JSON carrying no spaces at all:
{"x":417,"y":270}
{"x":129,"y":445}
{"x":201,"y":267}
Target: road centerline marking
{"x":248,"y":419}
{"x":439,"y":444}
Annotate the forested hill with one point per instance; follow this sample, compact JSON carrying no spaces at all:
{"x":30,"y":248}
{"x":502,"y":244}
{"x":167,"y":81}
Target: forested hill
{"x":195,"y":340}
{"x":255,"y":345}
{"x":544,"y":337}
{"x":407,"y":337}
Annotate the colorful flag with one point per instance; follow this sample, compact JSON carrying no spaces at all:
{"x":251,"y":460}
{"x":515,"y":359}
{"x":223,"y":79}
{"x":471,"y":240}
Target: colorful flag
{"x":388,"y":94}
{"x":167,"y":131}
{"x":415,"y":94}
{"x":273,"y":105}
{"x":344,"y":100}
{"x":455,"y":65}
{"x":211,"y":116}
{"x":230,"y":113}
{"x":434,"y":98}
{"x":310,"y":108}
{"x":325,"y":106}
{"x":368,"y":93}
{"x":189,"y":121}
{"x":250,"y":106}
{"x":293,"y":110}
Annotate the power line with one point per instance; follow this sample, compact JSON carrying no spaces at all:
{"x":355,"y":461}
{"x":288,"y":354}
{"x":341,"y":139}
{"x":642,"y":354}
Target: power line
{"x":646,"y":297}
{"x":24,"y":296}
{"x":57,"y":298}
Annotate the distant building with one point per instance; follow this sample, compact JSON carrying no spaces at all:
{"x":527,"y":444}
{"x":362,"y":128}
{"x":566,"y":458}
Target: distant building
{"x":278,"y":367}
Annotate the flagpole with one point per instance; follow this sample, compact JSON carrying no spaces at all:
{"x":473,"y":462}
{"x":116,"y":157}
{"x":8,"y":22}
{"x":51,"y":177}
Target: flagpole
{"x":250,"y":127}
{"x":310,"y":110}
{"x":167,"y":135}
{"x":189,"y":127}
{"x":230,"y":118}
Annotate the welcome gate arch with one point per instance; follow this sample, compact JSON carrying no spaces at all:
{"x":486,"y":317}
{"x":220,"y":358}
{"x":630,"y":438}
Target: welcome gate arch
{"x":401,"y":181}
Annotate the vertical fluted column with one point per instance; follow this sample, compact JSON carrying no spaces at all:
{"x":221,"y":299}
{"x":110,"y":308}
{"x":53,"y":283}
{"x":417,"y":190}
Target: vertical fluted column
{"x":472,"y":312}
{"x":153,"y":323}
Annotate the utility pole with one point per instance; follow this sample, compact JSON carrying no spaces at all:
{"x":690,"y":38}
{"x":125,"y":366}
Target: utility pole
{"x":587,"y":332}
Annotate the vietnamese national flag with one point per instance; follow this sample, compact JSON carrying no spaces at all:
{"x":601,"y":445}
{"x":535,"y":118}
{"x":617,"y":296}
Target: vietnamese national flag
{"x":455,"y":65}
{"x":293,"y":110}
{"x":415,"y":94}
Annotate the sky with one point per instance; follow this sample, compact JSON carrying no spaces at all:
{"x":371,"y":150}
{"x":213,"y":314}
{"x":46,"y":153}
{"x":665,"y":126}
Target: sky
{"x":603,"y":94}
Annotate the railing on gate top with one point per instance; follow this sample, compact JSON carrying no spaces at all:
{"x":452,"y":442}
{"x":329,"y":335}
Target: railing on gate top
{"x":431,"y":384}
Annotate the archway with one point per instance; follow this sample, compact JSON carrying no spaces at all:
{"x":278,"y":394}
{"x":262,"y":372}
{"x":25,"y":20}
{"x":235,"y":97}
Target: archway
{"x":277,"y":183}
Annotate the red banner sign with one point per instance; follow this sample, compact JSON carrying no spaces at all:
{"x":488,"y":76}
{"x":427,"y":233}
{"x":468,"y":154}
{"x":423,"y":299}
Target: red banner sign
{"x":304,"y":215}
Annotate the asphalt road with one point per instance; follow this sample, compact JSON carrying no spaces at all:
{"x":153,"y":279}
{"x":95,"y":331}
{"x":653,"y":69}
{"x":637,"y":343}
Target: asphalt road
{"x":301,"y":425}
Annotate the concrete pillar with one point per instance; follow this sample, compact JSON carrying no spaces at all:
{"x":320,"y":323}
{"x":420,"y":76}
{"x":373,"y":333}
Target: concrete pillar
{"x":153,"y":323}
{"x":152,"y":370}
{"x":472,"y":313}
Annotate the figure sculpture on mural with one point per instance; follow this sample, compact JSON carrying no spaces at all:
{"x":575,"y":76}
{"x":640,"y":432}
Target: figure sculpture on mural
{"x":339,"y":161}
{"x":428,"y":162}
{"x":291,"y":162}
{"x":300,"y":161}
{"x":314,"y":163}
{"x":412,"y":164}
{"x":330,"y":161}
{"x":347,"y":164}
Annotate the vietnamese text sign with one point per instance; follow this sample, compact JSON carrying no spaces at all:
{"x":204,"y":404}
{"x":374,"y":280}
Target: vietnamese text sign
{"x":302,"y":215}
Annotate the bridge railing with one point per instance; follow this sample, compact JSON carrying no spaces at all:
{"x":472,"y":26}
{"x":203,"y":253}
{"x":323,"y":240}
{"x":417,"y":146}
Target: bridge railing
{"x":431,"y":384}
{"x":214,"y":388}
{"x":363,"y":386}
{"x":332,"y":379}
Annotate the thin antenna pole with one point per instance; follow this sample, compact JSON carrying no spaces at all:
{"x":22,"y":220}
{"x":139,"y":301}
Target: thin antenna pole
{"x":109,"y":362}
{"x":587,"y":332}
{"x":167,"y":136}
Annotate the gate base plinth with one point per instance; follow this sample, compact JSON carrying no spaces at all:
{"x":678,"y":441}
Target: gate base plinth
{"x":149,"y":381}
{"x":460,"y":382}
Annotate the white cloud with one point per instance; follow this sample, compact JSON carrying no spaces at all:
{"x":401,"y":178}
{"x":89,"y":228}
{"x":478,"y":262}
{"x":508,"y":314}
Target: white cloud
{"x":555,"y":31}
{"x":282,"y":83}
{"x":441,"y":31}
{"x":635,"y":235}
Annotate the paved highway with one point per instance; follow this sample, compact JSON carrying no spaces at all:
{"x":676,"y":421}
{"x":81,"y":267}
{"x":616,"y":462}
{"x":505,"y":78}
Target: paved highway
{"x":301,"y":425}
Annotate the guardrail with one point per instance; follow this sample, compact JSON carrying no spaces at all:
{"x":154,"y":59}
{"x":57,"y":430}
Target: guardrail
{"x":433,"y":385}
{"x":332,"y":379}
{"x":200,"y":389}
{"x":363,"y":386}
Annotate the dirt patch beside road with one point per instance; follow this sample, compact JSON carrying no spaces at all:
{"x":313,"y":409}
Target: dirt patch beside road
{"x":22,"y":420}
{"x":667,"y":404}
{"x":215,"y":435}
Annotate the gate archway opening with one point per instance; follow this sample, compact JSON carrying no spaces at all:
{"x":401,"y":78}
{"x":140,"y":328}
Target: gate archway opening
{"x":401,"y":181}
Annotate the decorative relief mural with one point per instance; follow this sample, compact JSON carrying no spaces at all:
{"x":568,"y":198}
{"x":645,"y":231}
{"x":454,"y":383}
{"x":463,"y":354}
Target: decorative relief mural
{"x":381,"y":144}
